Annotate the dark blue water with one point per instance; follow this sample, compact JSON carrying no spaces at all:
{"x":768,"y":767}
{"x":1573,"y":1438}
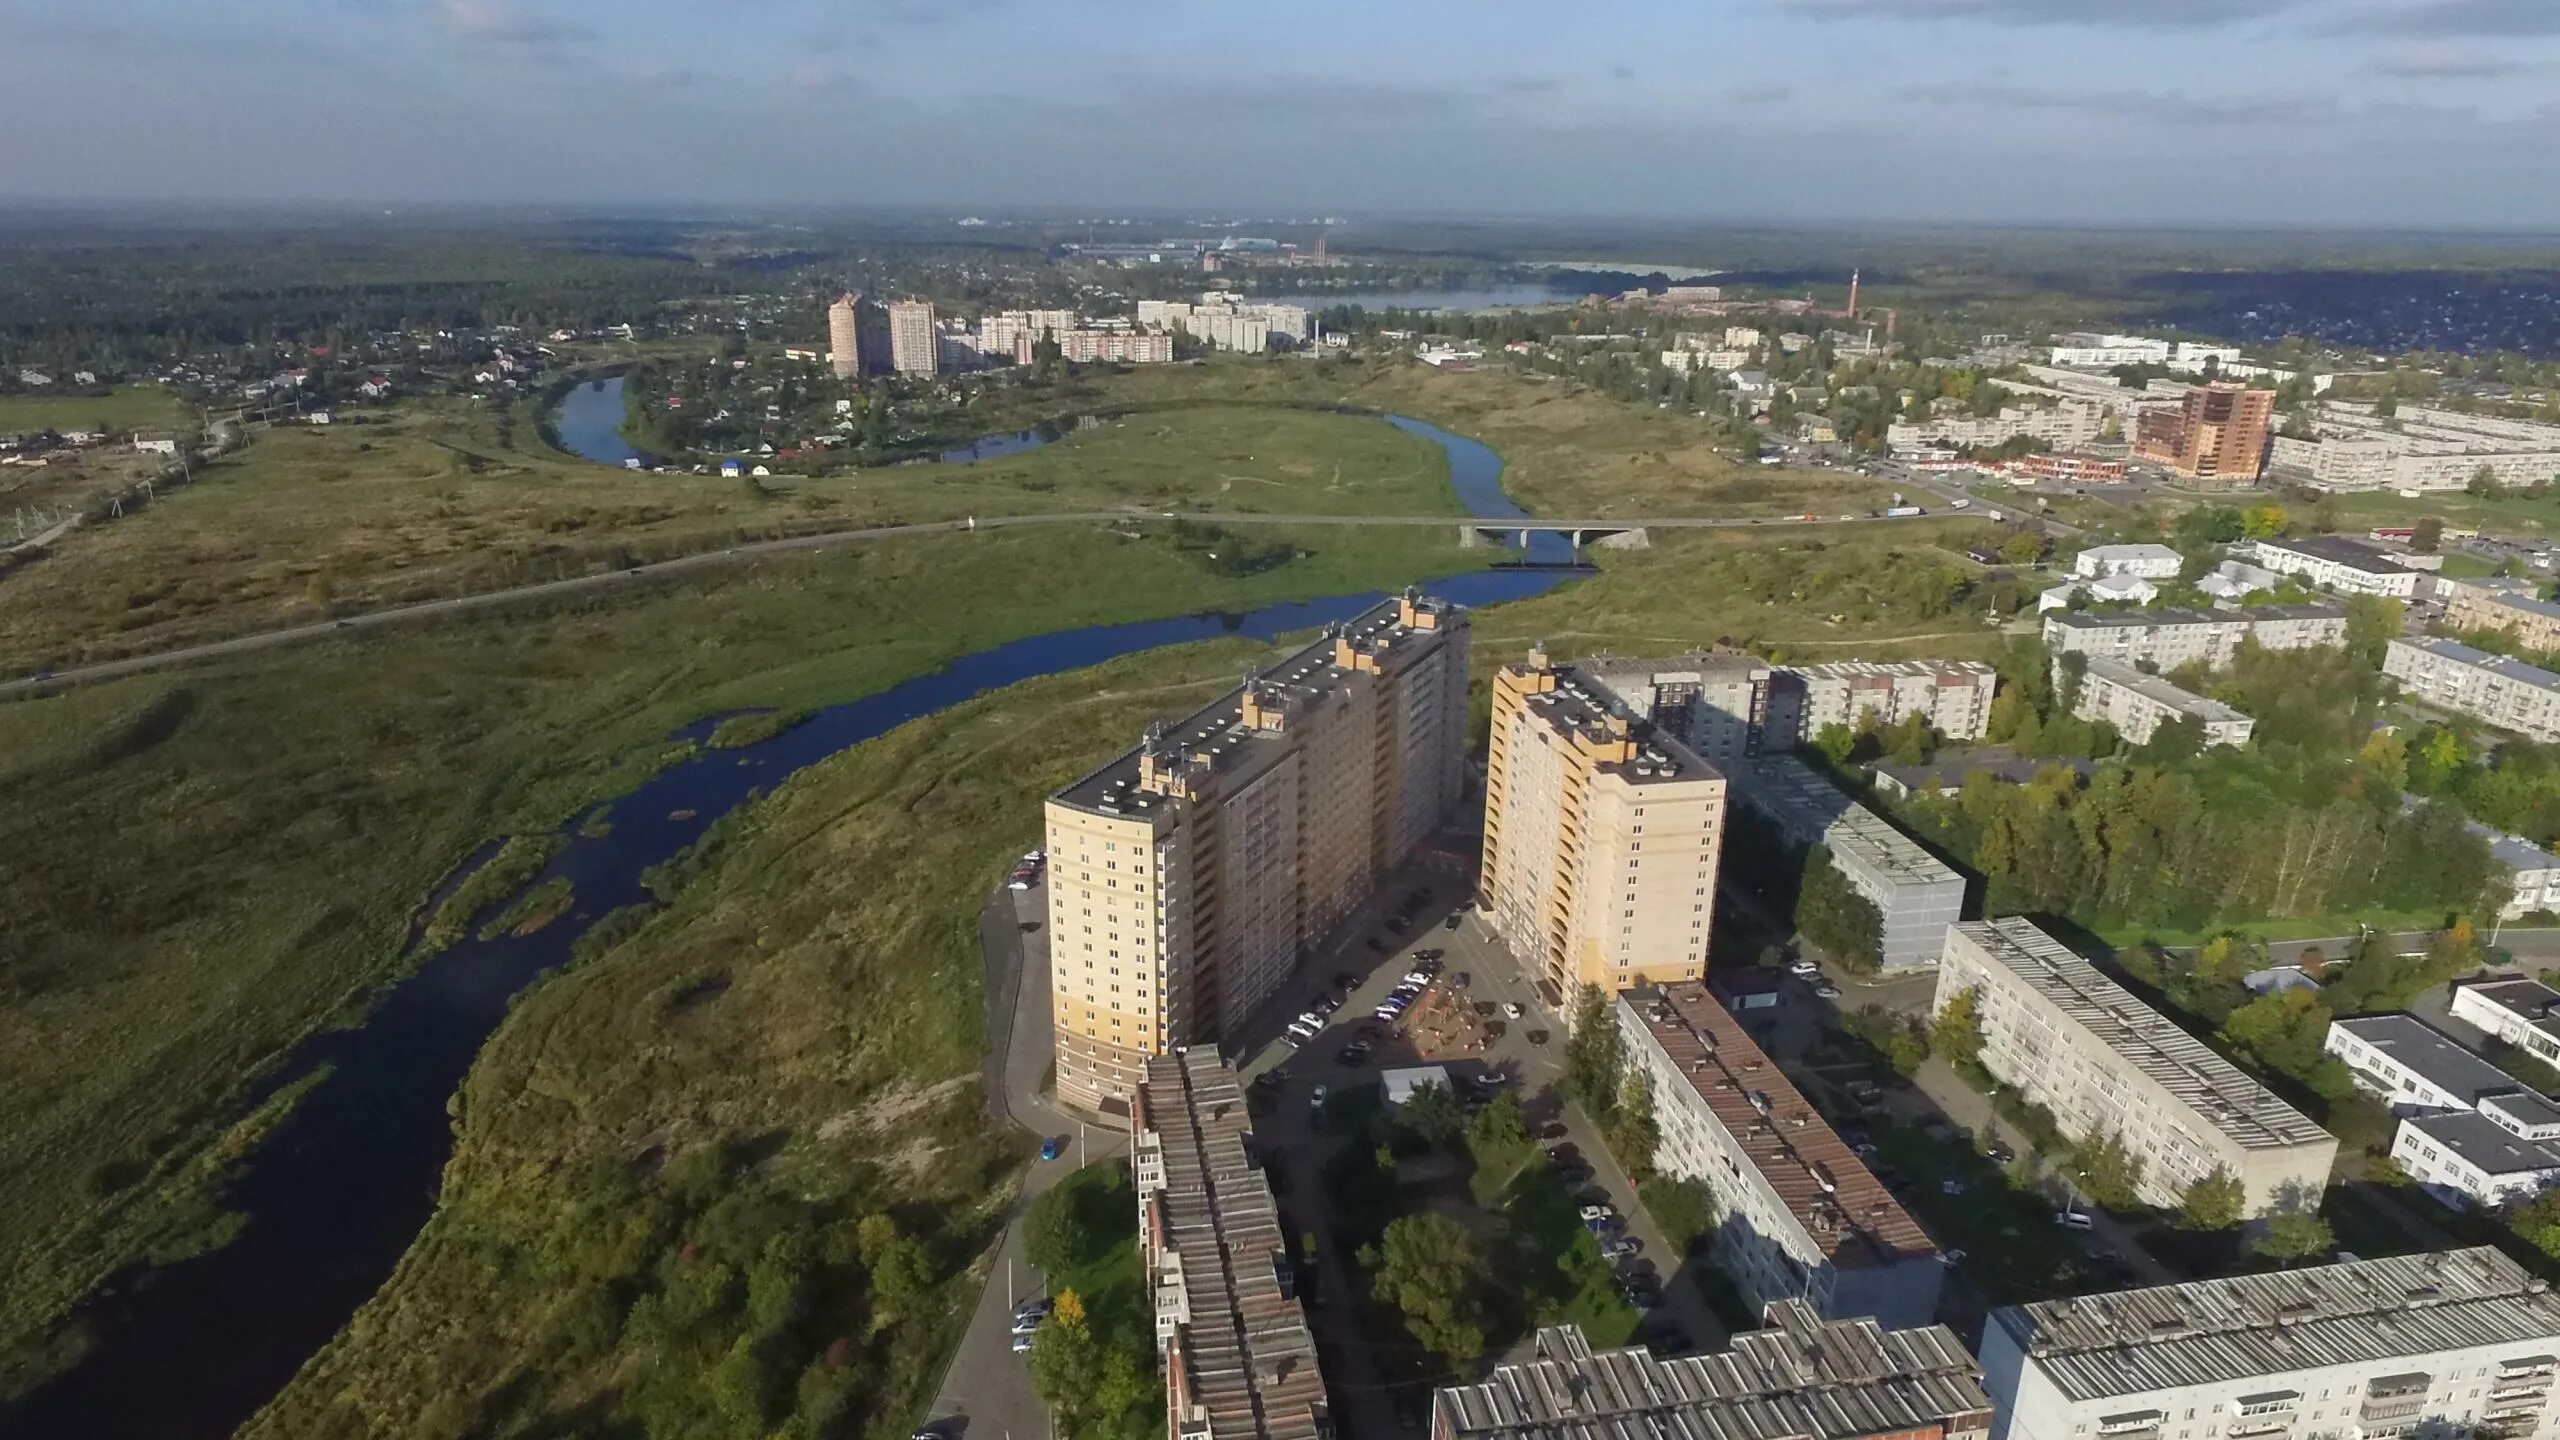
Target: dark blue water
{"x":336,"y":1195}
{"x":1475,"y":472}
{"x":588,"y":421}
{"x":988,"y":447}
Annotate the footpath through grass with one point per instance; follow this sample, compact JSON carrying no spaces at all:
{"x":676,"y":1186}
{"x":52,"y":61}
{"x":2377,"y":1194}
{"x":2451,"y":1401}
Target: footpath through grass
{"x":204,"y":867}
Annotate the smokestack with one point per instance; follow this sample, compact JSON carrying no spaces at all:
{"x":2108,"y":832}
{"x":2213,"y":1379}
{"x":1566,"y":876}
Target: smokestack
{"x":1853,"y":294}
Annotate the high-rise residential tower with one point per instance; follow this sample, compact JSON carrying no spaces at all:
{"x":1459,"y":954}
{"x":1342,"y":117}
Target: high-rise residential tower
{"x":1188,"y":877}
{"x":914,"y":348}
{"x":1601,"y":836}
{"x":2218,"y":433}
{"x":844,"y":336}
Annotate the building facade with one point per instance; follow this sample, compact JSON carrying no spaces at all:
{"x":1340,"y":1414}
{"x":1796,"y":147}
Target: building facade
{"x":2343,"y":566}
{"x":2151,"y":562}
{"x":1602,"y":835}
{"x":1954,"y":696}
{"x":1238,"y":1360}
{"x":2138,"y":705}
{"x":2413,"y":1067}
{"x":857,"y":336}
{"x":2414,"y":1345}
{"x":1799,"y":1216}
{"x":2217,"y":435}
{"x":1717,"y":704}
{"x":1119,"y":347}
{"x":2512,"y":606}
{"x":915,"y":346}
{"x":1188,"y":877}
{"x":2168,"y":639}
{"x":2512,"y":1011}
{"x":2506,"y":1151}
{"x":1800,"y":1378}
{"x":1917,"y":895}
{"x":2068,"y":1038}
{"x":2495,"y":689}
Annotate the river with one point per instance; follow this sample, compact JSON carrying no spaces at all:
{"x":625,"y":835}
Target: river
{"x":341,"y":1188}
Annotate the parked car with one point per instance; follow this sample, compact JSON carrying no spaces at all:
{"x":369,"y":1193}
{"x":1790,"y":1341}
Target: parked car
{"x":1033,"y":1309}
{"x":1052,"y":1148}
{"x":1951,"y":1258}
{"x":1622,"y":1248}
{"x":1025,"y":1324}
{"x":2073,"y":1220}
{"x":1355,"y":1053}
{"x":1537,"y":1037}
{"x":1597,"y":1212}
{"x":1035,"y":857}
{"x":1951,"y":1186}
{"x":1513,"y":1010}
{"x":1021,"y":879}
{"x":1429,"y":957}
{"x":1315,"y":1099}
{"x":1022,"y":1342}
{"x":2000,"y":1153}
{"x":1804,"y":969}
{"x":1416,"y":978}
{"x":1452,"y":922}
{"x":1461,"y":980}
{"x":1826,"y":990}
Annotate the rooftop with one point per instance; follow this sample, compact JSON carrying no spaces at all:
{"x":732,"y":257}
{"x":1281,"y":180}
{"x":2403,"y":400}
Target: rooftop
{"x":2142,"y":551}
{"x":1811,"y":808}
{"x":1852,"y":1220}
{"x":2185,"y":702}
{"x":1801,"y":1379}
{"x":1586,"y":710}
{"x":2354,"y":554}
{"x":2430,"y":1054}
{"x":2525,"y":601}
{"x":2253,"y":614}
{"x":2212,"y":1088}
{"x":2171,"y":1337}
{"x":1953,"y":672}
{"x":2484,"y":1144}
{"x":2502,"y":665}
{"x":1216,"y":737}
{"x":1249,"y":1361}
{"x":2528,"y":1000}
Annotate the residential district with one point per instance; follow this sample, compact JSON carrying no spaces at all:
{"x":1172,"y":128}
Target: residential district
{"x":1297,"y":924}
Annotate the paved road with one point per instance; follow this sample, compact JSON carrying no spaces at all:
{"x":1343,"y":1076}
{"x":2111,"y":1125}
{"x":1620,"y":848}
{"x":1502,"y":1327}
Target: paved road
{"x":688,"y":564}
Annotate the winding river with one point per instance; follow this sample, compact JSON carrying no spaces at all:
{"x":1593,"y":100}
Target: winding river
{"x":342,"y":1187}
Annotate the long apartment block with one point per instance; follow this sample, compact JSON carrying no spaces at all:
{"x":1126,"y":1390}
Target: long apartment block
{"x":2509,"y":605}
{"x":1188,"y":877}
{"x":2138,"y":705}
{"x":1800,"y":1378}
{"x":1800,"y":1217}
{"x":2167,"y":639}
{"x":2450,"y":1343}
{"x":1917,"y":894}
{"x":1239,"y":1362}
{"x":1601,"y":836}
{"x":1954,"y":696}
{"x":2068,"y":1038}
{"x":2494,"y":689}
{"x":2513,"y":1011}
{"x":1728,"y":706}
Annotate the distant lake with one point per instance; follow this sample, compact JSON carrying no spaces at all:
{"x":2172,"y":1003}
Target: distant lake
{"x":1495,"y":297}
{"x":589,"y":422}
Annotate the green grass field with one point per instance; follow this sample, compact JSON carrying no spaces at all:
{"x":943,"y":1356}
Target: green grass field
{"x":118,"y":413}
{"x":205,"y":866}
{"x":2507,"y":515}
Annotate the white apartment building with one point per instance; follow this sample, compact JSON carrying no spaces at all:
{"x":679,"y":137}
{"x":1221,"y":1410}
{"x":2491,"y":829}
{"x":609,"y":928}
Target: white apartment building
{"x":2168,"y":639}
{"x":2084,"y":351}
{"x":1716,"y":704}
{"x":2339,"y":565}
{"x":2066,"y":1037}
{"x":1954,"y":696}
{"x":2427,"y":1345}
{"x":2138,"y":705}
{"x":2412,"y":1066}
{"x":2506,"y":1151}
{"x":915,"y":346}
{"x":2150,"y":562}
{"x":2514,"y":1011}
{"x":1798,"y":1216}
{"x":2068,"y":424}
{"x":2418,"y":448}
{"x":1743,"y":337}
{"x":2496,"y":689}
{"x":1917,"y":895}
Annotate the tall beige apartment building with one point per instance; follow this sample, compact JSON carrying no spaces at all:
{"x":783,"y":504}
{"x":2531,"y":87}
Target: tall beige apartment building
{"x":1601,"y":836}
{"x":844,"y":336}
{"x":1188,"y":877}
{"x":914,"y":348}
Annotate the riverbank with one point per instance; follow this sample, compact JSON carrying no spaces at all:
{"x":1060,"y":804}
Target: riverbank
{"x":192,"y":897}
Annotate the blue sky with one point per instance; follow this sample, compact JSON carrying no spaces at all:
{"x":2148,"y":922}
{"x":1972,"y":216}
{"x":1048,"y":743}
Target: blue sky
{"x":2323,"y":112}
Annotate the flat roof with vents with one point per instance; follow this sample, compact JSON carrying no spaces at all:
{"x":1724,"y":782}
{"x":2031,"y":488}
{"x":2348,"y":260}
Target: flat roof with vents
{"x":1803,"y":1378}
{"x":1846,"y":1215}
{"x":2210,"y":1332}
{"x":2216,"y":1091}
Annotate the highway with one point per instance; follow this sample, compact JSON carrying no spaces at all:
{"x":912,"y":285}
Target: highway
{"x":44,"y":681}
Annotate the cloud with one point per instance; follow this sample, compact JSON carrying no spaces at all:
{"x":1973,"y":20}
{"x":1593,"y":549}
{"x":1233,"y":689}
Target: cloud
{"x":2146,"y":14}
{"x":2509,"y":18}
{"x":1769,"y":93}
{"x":497,"y":24}
{"x":2174,"y":107}
{"x":2438,"y":62}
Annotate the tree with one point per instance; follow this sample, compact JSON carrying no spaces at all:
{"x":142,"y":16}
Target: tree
{"x":2427,"y":535}
{"x":2537,"y":1222}
{"x":2022,"y":548}
{"x":1844,"y":924}
{"x":1684,"y":1208}
{"x":1426,"y":1266}
{"x":1632,"y":1132}
{"x":1054,"y":1233}
{"x":1913,"y":741}
{"x":2293,"y":1236}
{"x":2109,"y":1174}
{"x":1955,"y":1032}
{"x":1592,"y":1059}
{"x":1835,"y":742}
{"x":2264,"y":522}
{"x":1065,"y":1361}
{"x":2212,"y":1203}
{"x":778,"y":1283}
{"x":1431,"y":1115}
{"x":2484,"y":483}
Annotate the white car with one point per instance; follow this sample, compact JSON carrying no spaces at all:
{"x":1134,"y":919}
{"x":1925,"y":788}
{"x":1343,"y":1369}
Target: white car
{"x":1597,"y":1212}
{"x":1416,"y":978}
{"x":1804,"y":969}
{"x":1513,"y":1010}
{"x":1310,"y":1019}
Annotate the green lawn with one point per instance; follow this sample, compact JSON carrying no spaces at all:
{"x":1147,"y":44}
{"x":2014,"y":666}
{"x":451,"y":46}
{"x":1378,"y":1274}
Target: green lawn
{"x":118,"y":413}
{"x":205,"y":866}
{"x":2506,"y":515}
{"x":1112,"y":1283}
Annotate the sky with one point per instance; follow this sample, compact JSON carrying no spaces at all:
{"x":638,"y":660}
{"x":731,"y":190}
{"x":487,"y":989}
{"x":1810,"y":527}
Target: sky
{"x":2391,"y":113}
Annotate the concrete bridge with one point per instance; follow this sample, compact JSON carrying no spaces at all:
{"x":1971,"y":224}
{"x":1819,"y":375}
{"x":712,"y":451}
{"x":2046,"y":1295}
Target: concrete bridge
{"x":1604,"y":536}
